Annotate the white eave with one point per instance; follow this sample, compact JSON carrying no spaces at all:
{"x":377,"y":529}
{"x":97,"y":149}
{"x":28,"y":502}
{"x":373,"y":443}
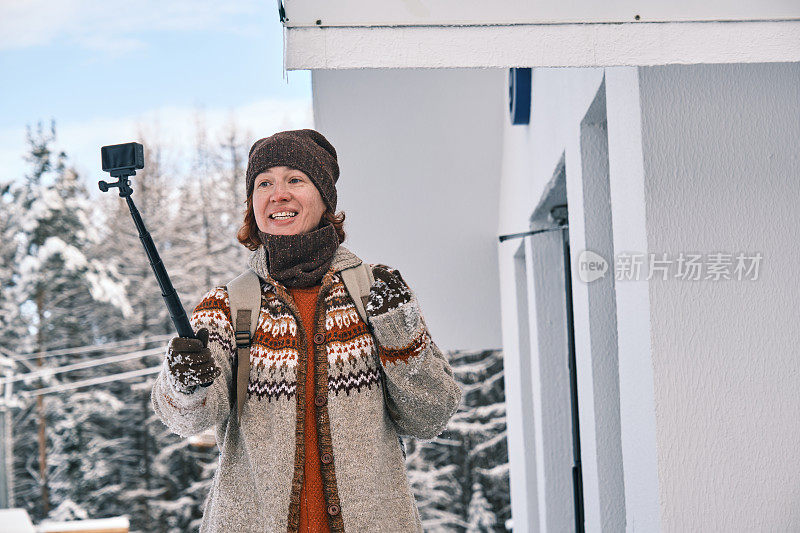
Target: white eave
{"x":542,"y":45}
{"x":411,"y":34}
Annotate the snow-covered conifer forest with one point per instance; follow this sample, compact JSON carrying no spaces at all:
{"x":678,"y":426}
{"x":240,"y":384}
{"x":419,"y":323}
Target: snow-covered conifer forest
{"x":76,"y":289}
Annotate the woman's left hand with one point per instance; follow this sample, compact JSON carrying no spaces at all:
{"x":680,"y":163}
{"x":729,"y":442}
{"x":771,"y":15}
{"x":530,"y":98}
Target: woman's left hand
{"x":389,"y":291}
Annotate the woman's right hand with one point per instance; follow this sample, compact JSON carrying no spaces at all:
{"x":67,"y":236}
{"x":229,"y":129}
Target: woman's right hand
{"x":190,"y":362}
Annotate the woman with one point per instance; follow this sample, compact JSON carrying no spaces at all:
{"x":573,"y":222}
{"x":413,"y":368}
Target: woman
{"x":316,"y":448}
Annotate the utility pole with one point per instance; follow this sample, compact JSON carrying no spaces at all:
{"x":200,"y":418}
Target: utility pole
{"x":40,"y":407}
{"x":4,"y":438}
{"x":7,"y":403}
{"x":8,"y":443}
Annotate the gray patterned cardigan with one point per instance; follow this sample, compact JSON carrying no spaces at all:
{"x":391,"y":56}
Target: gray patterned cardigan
{"x":257,"y":484}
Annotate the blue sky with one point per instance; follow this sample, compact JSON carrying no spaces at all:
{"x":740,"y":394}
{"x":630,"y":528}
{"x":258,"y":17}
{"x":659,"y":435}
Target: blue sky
{"x":107,"y":70}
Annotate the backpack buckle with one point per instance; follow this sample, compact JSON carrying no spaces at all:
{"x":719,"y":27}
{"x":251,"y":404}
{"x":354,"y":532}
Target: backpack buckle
{"x":242,"y":339}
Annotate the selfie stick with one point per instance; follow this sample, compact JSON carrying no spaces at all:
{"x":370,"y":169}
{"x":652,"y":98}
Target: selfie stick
{"x":176,"y":311}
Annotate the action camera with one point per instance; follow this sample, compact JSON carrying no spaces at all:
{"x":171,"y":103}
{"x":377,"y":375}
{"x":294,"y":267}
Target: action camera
{"x":122,"y":159}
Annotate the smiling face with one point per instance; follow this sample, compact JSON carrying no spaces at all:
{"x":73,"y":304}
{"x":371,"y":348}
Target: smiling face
{"x":286,"y":190}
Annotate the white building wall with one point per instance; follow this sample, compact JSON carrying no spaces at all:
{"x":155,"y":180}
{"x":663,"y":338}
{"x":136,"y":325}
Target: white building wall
{"x":636,"y":394}
{"x":700,"y":159}
{"x":723,"y":175}
{"x":593,"y":125}
{"x":561,"y":98}
{"x":419,"y":153}
{"x":550,"y":409}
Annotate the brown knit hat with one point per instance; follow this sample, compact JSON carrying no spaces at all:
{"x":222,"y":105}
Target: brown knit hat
{"x":307,"y":150}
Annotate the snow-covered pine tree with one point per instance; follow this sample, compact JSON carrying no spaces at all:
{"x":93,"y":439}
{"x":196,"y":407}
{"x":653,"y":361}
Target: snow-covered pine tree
{"x":12,"y":323}
{"x":31,"y":485}
{"x":480,"y":517}
{"x":432,"y":473}
{"x":58,"y":274}
{"x":89,"y":454}
{"x":180,"y":476}
{"x":472,"y":450}
{"x":482,"y":426}
{"x":64,"y":289}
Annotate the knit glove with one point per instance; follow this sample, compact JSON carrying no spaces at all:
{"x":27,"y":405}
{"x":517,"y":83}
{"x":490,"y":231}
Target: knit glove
{"x":388,"y":291}
{"x":190,"y":362}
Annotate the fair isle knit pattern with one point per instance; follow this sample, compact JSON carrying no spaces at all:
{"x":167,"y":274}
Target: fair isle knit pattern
{"x":257,"y":485}
{"x":273,"y":358}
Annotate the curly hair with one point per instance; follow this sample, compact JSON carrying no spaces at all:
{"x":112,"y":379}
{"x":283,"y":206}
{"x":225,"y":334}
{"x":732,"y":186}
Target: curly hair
{"x":248,"y":233}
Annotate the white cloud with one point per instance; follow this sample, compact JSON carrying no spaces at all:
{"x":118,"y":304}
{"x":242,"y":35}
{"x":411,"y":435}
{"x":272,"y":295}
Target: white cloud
{"x":34,"y":22}
{"x":114,"y":24}
{"x":173,"y":127}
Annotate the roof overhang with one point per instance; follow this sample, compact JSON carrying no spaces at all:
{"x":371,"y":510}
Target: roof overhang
{"x":345,"y":34}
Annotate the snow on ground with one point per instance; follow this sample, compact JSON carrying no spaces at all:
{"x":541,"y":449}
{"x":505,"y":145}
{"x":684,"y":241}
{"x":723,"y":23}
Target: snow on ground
{"x":16,"y":521}
{"x":106,"y":525}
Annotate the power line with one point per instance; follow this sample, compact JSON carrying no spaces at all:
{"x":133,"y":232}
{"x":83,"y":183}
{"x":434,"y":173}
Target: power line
{"x":10,"y":357}
{"x":83,"y":364}
{"x":88,"y":348}
{"x":92,"y":381}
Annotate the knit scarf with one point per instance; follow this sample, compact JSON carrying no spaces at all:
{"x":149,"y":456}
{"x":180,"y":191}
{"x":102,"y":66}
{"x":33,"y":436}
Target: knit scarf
{"x":296,"y":260}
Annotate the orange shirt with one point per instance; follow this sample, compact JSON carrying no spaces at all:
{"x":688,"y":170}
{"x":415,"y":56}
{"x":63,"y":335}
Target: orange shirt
{"x":313,"y":512}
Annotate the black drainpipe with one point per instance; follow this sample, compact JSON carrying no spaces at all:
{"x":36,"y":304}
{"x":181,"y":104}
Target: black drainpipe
{"x":577,"y":476}
{"x":559,"y":215}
